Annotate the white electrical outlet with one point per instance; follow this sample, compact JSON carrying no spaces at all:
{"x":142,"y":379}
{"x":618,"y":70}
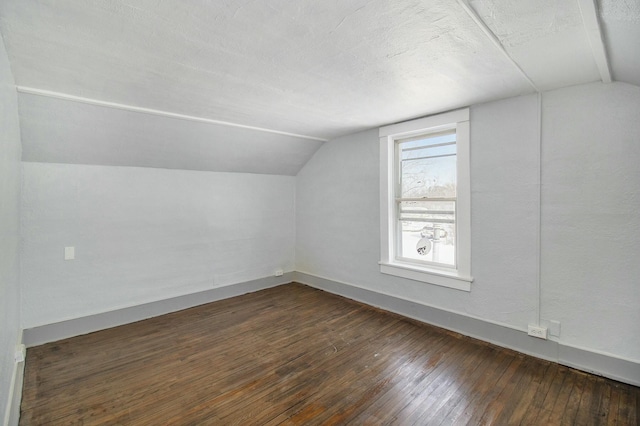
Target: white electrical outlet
{"x":279,"y":273}
{"x":21,"y":353}
{"x":536,"y":331}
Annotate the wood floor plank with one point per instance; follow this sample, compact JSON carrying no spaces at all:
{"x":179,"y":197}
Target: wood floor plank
{"x":502,"y":401}
{"x":603,"y":395}
{"x":410,"y":377}
{"x":294,"y":355}
{"x":358,"y":388}
{"x":529,"y":386}
{"x":627,"y":408}
{"x":352,"y":364}
{"x":440,"y":399}
{"x":570,"y":409}
{"x":544,"y":389}
{"x":439,"y":368}
{"x":589,"y":401}
{"x":442,"y":413}
{"x":481,"y":394}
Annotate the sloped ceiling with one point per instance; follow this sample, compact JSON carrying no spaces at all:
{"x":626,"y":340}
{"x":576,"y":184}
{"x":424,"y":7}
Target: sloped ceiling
{"x":621,"y":22}
{"x":546,"y":38}
{"x":276,"y":78}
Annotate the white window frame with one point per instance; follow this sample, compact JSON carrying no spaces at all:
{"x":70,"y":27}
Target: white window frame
{"x":459,"y":277}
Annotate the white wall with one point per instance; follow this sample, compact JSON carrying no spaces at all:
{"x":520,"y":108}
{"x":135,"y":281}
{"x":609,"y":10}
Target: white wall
{"x":338,"y":218}
{"x":591,"y":216}
{"x":9,"y":227}
{"x":143,"y":234}
{"x":593,"y":292}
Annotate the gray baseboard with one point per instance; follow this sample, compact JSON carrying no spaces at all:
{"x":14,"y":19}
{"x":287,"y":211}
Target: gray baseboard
{"x":13,"y":417}
{"x":604,"y":365}
{"x":76,"y":327}
{"x":14,"y":397}
{"x":601,"y":364}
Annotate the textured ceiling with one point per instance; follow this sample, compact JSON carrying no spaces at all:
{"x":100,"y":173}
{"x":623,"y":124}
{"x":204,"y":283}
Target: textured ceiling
{"x":621,"y":22}
{"x":308,"y":68}
{"x":546,"y":38}
{"x":315,"y":68}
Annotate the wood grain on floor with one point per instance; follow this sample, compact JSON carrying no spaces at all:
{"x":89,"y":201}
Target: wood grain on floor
{"x":294,"y":355}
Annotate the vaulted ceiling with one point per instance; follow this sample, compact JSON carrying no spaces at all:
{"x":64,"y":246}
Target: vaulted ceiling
{"x":257,"y":85}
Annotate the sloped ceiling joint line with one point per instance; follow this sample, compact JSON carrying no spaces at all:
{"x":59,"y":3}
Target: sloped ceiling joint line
{"x":589,"y":12}
{"x":487,"y":31}
{"x":64,"y":96}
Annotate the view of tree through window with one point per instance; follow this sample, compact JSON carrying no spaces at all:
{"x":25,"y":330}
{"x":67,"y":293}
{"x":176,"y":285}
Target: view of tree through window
{"x":426,"y":198}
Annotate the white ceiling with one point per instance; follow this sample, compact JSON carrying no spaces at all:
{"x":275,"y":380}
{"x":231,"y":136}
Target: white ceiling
{"x":621,"y":22}
{"x":546,"y":38}
{"x":317,"y":69}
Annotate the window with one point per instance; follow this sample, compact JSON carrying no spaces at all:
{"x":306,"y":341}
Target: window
{"x":425,"y":200}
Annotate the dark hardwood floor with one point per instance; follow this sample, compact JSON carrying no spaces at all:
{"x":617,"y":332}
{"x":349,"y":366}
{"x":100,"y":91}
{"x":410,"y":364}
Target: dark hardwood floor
{"x":293,"y":355}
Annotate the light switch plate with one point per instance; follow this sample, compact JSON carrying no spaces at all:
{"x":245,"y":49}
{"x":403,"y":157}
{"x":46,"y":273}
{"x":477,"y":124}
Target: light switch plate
{"x":69,"y":253}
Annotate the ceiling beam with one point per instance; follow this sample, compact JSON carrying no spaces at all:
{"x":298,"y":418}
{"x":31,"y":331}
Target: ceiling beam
{"x":494,"y":39}
{"x":589,"y":12}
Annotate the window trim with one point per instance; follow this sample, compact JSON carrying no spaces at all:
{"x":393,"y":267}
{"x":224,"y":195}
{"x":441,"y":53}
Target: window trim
{"x":460,"y":277}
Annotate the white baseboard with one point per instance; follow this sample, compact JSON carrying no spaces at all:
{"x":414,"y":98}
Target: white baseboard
{"x":76,"y":327}
{"x":601,"y":364}
{"x":14,"y":397}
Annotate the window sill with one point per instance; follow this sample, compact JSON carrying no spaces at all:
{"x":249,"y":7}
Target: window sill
{"x":437,"y":277}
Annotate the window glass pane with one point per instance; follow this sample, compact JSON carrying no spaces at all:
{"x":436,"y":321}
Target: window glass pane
{"x":428,"y":167}
{"x":427,"y":231}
